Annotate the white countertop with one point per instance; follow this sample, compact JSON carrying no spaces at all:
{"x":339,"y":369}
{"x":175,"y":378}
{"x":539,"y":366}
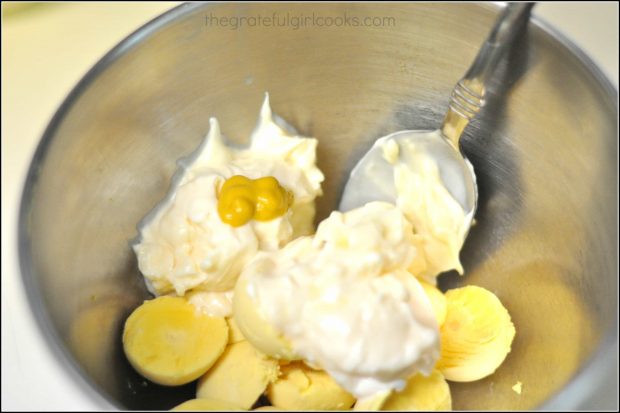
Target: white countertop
{"x":45,"y":51}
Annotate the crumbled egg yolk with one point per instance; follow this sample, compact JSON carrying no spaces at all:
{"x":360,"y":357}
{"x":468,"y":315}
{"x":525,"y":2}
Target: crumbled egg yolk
{"x":241,"y":199}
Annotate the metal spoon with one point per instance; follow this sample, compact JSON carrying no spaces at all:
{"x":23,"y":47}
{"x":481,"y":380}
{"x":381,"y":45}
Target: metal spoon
{"x":372,"y":179}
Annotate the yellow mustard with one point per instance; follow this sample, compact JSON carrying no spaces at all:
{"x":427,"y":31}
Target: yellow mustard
{"x":241,"y":199}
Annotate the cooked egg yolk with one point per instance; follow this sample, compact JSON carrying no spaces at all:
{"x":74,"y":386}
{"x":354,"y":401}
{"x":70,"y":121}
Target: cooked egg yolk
{"x":241,"y":199}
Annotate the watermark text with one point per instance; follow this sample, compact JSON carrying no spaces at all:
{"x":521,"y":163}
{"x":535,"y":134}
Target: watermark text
{"x":296,"y":21}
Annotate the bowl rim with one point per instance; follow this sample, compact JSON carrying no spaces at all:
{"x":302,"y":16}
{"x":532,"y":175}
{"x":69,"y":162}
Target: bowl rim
{"x":577,"y":389}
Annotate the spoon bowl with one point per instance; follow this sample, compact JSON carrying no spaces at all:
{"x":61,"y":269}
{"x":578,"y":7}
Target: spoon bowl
{"x":372,"y":178}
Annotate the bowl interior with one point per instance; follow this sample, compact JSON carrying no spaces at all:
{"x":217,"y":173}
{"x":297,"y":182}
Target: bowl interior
{"x":544,"y":151}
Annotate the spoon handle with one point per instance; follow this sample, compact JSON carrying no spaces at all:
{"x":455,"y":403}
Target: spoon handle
{"x":468,"y":96}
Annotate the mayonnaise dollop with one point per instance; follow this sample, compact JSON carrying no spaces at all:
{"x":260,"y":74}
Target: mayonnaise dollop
{"x":184,"y":245}
{"x":215,"y":304}
{"x":439,"y":222}
{"x":345,"y":300}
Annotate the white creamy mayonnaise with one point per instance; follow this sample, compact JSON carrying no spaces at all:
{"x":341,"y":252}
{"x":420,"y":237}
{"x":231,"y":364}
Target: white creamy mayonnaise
{"x":345,"y":300}
{"x":215,"y":304}
{"x":439,"y":221}
{"x":184,"y":245}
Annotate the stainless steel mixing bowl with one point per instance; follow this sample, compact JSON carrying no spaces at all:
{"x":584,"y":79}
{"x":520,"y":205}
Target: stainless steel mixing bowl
{"x":545,"y":153}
